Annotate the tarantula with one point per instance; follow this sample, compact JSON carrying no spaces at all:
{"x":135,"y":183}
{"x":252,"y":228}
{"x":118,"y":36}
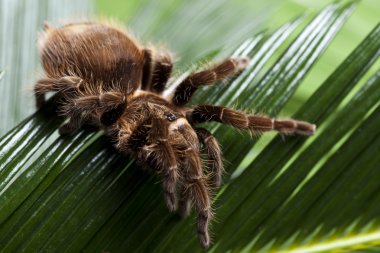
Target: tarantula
{"x":103,"y":76}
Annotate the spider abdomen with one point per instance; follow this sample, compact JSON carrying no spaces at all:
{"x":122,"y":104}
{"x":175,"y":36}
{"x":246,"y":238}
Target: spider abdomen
{"x":97,"y":53}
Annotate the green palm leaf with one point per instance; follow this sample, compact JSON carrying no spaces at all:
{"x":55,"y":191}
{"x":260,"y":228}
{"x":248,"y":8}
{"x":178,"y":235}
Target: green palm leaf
{"x":299,"y":194}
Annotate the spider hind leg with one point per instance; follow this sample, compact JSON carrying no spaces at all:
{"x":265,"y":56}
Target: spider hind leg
{"x":156,"y":71}
{"x":161,"y":73}
{"x":46,"y":85}
{"x":110,"y":104}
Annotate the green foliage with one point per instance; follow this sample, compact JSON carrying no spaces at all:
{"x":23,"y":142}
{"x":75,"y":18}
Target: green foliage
{"x":191,"y":28}
{"x":308,"y":194}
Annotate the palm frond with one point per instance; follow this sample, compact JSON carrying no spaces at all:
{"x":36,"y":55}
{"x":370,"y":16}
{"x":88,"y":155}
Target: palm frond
{"x":297,"y":195}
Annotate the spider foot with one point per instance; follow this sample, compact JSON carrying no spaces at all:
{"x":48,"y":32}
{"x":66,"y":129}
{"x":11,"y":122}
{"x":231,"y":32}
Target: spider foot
{"x":241,"y":63}
{"x":204,"y":239}
{"x":171,"y":201}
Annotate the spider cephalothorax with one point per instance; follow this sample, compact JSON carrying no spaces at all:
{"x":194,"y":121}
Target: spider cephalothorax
{"x":104,"y":77}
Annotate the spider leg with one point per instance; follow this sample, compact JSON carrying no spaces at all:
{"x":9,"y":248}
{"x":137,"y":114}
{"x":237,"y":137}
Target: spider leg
{"x":45,"y":85}
{"x":214,"y":154}
{"x":161,"y":157}
{"x":161,"y":73}
{"x":147,"y":69}
{"x":186,"y":89}
{"x":74,"y":123}
{"x":254,"y":123}
{"x":196,"y":188}
{"x":150,"y":141}
{"x":155,"y":76}
{"x":111,"y":104}
{"x":166,"y":160}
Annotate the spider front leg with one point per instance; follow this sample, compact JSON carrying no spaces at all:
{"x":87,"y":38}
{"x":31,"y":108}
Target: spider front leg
{"x":193,"y":183}
{"x":162,"y":159}
{"x":186,"y":89}
{"x":254,"y":123}
{"x":196,"y":190}
{"x":45,"y":85}
{"x":214,"y":154}
{"x":165,"y":158}
{"x":150,"y":142}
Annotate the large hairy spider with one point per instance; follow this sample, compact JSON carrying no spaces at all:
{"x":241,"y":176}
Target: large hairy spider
{"x":104,"y":77}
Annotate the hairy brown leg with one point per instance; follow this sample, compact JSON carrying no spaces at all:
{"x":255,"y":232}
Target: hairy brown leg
{"x":45,"y":85}
{"x":112,"y":104}
{"x":187,"y":142}
{"x":186,"y":89}
{"x":214,"y":154}
{"x":161,"y":73}
{"x":150,"y":141}
{"x":147,"y":69}
{"x":166,"y":160}
{"x":74,"y":123}
{"x":254,"y":123}
{"x":195,"y":186}
{"x":155,"y":76}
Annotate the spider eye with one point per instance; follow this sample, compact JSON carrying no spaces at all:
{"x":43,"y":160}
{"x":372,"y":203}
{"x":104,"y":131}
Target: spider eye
{"x":170,"y":116}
